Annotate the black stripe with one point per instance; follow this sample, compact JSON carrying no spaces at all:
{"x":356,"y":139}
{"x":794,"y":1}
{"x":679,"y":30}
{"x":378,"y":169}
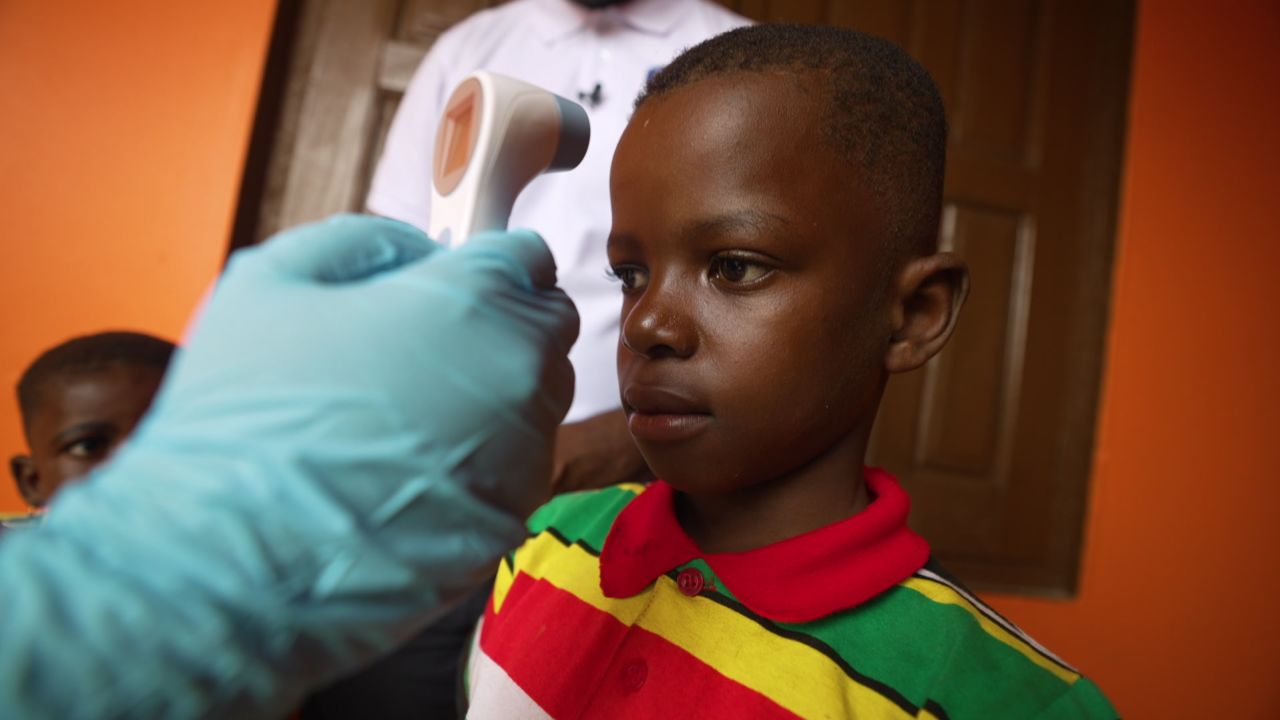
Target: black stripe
{"x":935,"y":567}
{"x":868,"y":682}
{"x":936,"y":709}
{"x":566,"y":542}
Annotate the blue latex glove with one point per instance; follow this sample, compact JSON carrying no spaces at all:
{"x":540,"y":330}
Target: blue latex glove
{"x":355,"y":432}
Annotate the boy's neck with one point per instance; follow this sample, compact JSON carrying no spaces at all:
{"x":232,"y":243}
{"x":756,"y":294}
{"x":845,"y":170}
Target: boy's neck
{"x":827,"y":490}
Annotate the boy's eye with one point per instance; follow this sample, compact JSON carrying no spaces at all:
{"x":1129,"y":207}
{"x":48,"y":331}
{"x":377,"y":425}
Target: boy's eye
{"x":737,"y":271}
{"x":632,"y":277}
{"x":88,"y":448}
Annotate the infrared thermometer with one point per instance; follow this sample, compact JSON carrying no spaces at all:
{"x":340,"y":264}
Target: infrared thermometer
{"x":496,"y":135}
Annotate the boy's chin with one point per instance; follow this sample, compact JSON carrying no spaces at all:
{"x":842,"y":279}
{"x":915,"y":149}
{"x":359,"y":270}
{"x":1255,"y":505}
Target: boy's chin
{"x":699,"y":470}
{"x":703,"y":485}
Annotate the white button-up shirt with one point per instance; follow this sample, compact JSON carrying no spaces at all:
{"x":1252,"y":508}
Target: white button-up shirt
{"x":600,"y":58}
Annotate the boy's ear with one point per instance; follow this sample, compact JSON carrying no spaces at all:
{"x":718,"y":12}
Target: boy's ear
{"x":926,"y":300}
{"x":23,"y":469}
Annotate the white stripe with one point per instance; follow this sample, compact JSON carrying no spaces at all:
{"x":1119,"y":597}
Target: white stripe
{"x":995,"y":617}
{"x":494,"y":695}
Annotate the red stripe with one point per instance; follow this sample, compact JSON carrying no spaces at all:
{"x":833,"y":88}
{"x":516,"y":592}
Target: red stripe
{"x":575,"y":660}
{"x":543,"y":632}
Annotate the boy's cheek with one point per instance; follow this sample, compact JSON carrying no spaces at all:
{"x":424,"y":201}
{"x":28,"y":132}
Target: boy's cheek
{"x":66,"y":470}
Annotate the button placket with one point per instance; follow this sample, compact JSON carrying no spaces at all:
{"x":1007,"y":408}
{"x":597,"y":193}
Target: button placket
{"x":633,"y":675}
{"x":626,"y":671}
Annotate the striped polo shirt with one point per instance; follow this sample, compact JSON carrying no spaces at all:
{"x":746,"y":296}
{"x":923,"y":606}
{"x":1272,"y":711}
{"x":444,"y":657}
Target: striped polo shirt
{"x":609,"y":610}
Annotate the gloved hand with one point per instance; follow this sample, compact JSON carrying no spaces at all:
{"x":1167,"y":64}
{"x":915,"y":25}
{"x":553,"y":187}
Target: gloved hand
{"x":356,"y":431}
{"x":422,"y":367}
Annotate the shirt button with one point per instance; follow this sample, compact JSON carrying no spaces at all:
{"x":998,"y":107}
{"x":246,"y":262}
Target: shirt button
{"x":690,"y":581}
{"x":634,"y":674}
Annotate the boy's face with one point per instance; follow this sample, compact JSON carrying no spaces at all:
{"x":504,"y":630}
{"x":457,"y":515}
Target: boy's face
{"x":750,"y":253}
{"x":81,"y":419}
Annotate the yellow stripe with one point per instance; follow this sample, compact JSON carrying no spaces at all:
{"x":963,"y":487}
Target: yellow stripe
{"x":791,"y":674}
{"x":631,"y":487}
{"x":575,"y":570}
{"x":501,"y":584}
{"x":940,"y":593}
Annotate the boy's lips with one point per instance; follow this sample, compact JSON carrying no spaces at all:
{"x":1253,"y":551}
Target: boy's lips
{"x":663,"y":415}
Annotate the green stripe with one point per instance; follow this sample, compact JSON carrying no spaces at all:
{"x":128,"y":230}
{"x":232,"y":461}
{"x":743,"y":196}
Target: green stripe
{"x":1084,"y":700}
{"x":930,"y":651}
{"x":582,"y":516}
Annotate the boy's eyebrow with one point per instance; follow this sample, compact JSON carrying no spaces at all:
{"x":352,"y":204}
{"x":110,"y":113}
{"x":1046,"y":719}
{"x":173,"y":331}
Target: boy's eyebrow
{"x":616,"y":239}
{"x":89,"y":426}
{"x":746,"y":219}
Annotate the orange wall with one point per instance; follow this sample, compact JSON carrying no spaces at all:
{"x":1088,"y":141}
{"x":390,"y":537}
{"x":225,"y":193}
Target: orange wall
{"x":1177,"y":614}
{"x":123,"y":128}
{"x":123,"y":131}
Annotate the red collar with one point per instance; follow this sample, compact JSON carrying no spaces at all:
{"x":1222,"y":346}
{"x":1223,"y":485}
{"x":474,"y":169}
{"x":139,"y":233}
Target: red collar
{"x":800,"y":579}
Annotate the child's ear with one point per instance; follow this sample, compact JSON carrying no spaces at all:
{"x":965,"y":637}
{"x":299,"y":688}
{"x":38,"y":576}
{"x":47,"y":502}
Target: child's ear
{"x":926,"y":300}
{"x":23,"y":469}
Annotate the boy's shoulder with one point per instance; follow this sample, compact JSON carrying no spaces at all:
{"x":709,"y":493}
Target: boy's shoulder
{"x":943,"y":647}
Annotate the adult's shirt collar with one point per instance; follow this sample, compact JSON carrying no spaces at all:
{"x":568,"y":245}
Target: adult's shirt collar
{"x":558,"y":19}
{"x":800,"y":579}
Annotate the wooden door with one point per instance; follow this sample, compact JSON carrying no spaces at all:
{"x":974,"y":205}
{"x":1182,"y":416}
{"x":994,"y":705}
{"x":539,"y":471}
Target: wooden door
{"x":994,"y":437}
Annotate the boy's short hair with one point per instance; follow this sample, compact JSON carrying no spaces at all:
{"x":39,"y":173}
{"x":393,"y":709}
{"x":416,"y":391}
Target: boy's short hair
{"x":885,"y":115}
{"x":90,"y":353}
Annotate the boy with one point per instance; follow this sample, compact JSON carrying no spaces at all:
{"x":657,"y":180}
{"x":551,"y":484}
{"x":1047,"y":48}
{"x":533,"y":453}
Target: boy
{"x":776,"y":200}
{"x":79,"y":401}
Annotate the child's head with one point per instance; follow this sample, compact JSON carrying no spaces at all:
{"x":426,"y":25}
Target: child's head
{"x":79,"y":400}
{"x":776,"y":201}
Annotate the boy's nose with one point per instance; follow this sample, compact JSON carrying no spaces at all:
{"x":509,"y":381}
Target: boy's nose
{"x":659,"y":325}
